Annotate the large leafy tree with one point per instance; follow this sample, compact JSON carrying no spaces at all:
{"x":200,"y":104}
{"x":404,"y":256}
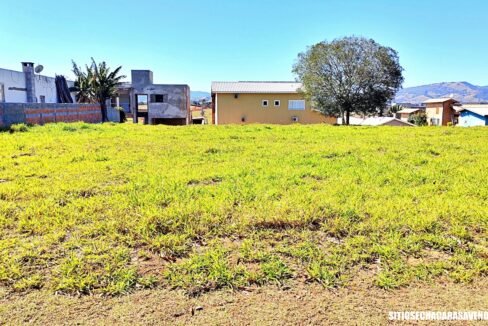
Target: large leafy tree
{"x":97,"y":84}
{"x":349,"y":75}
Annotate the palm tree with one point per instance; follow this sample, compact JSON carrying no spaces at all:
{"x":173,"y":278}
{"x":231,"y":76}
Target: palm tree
{"x":82,"y":85}
{"x":97,"y":84}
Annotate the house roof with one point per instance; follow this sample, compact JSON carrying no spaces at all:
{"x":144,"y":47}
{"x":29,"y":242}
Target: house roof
{"x":440,"y":100}
{"x":354,"y":121}
{"x":482,"y":111}
{"x":378,"y":121}
{"x":256,"y":87}
{"x":408,"y":111}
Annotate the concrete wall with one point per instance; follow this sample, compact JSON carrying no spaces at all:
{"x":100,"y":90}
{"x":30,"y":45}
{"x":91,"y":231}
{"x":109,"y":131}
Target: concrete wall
{"x":248,"y":107}
{"x":41,"y":113}
{"x":176,"y":103}
{"x":13,"y":81}
{"x":46,"y":86}
{"x":14,"y":87}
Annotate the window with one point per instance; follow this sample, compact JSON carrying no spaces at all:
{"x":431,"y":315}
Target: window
{"x":265,"y":103}
{"x":296,"y":105}
{"x":157,"y":98}
{"x":2,"y":94}
{"x":43,"y":99}
{"x":277,"y":103}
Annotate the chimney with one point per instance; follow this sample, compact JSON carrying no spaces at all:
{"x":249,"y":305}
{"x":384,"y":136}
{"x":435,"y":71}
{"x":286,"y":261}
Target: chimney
{"x":30,"y":86}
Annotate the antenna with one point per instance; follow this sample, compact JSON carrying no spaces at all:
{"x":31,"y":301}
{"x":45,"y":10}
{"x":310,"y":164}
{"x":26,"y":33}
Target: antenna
{"x":38,"y":69}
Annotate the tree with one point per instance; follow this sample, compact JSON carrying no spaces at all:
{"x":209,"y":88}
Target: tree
{"x":97,"y":84}
{"x":419,"y":119}
{"x":349,"y":75}
{"x":82,"y":85}
{"x":392,"y":110}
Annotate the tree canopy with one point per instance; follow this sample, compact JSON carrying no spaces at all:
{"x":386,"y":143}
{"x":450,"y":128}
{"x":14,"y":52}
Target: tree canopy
{"x":96,"y":84}
{"x":349,"y":75}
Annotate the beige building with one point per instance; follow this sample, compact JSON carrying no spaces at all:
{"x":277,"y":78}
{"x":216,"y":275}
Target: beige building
{"x":441,"y":111}
{"x":407,"y":114}
{"x":263,"y":102}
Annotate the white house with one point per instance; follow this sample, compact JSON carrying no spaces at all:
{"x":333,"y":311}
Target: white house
{"x":26,"y":86}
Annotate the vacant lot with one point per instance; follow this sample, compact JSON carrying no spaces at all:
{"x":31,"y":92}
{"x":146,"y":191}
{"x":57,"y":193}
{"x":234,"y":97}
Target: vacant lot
{"x":111,"y":209}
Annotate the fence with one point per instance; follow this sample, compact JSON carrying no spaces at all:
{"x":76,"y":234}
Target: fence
{"x":41,"y":113}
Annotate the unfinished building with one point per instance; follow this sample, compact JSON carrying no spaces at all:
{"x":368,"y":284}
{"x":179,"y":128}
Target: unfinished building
{"x":155,"y":104}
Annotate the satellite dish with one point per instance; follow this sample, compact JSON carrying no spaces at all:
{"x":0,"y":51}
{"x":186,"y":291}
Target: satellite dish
{"x":38,"y":69}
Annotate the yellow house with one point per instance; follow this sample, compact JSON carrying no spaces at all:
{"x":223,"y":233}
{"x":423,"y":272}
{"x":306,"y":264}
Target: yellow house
{"x":262,"y":102}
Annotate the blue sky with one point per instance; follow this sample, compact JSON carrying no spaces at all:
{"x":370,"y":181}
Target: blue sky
{"x":197,"y":41}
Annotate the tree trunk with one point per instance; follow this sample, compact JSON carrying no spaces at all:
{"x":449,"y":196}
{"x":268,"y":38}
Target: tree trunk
{"x":348,"y":113}
{"x":103,"y":107}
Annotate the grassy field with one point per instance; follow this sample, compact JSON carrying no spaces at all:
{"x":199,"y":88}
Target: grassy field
{"x":110,"y":209}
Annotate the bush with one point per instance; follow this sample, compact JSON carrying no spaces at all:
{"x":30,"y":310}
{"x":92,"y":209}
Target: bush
{"x":419,"y":119}
{"x":19,"y":127}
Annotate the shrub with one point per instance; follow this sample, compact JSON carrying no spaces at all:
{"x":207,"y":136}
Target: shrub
{"x":19,"y":127}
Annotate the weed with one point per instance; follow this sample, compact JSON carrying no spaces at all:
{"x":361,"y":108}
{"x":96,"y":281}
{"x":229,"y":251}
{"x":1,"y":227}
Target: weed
{"x":20,"y":127}
{"x":109,"y":208}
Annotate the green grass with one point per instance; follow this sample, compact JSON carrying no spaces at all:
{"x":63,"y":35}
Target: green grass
{"x":111,"y":208}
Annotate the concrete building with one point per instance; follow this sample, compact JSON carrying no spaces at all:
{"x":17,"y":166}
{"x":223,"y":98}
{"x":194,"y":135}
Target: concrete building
{"x":441,"y":111}
{"x":472,"y":115}
{"x":262,"y":102}
{"x":156,"y":104}
{"x":26,"y":86}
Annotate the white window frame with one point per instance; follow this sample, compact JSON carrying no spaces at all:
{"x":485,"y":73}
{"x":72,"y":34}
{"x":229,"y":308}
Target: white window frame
{"x":296,"y":105}
{"x":265,"y":105}
{"x":277,"y":101}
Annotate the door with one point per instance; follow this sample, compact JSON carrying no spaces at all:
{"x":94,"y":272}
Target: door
{"x":142,"y":107}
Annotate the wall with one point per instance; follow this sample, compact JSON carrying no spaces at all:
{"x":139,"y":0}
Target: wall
{"x":407,"y":116}
{"x":442,"y":111}
{"x":41,"y":113}
{"x":447,"y":114}
{"x":176,"y":103}
{"x":175,"y":106}
{"x":16,"y":79}
{"x":230,"y":110}
{"x":44,"y":86}
{"x":471,"y":119}
{"x":434,"y":110}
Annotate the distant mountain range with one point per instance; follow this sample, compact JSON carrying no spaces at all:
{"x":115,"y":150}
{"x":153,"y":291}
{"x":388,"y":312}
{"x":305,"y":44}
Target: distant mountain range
{"x":461,"y":91}
{"x":198,"y":95}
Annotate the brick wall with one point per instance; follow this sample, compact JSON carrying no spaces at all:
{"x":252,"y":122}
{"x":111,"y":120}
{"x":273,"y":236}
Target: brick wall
{"x":41,"y":113}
